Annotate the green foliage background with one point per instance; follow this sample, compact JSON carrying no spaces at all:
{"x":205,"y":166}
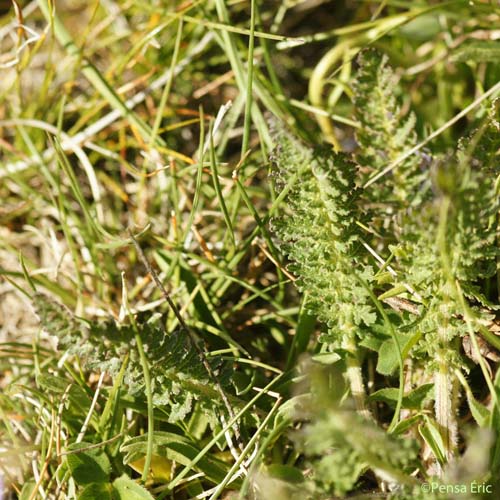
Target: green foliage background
{"x":249,"y":249}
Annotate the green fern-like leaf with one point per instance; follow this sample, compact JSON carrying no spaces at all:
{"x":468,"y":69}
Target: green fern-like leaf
{"x":384,"y":135}
{"x":319,"y":232}
{"x":467,"y":251}
{"x":476,"y":202}
{"x":481,"y":149}
{"x":469,"y":181}
{"x":448,"y":247}
{"x":179,"y":379}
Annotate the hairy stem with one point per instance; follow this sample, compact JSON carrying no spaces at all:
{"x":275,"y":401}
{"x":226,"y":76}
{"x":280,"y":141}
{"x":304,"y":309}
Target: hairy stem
{"x":446,"y":397}
{"x":446,"y":389}
{"x":355,"y":376}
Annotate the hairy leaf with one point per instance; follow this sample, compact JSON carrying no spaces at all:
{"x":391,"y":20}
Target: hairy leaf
{"x":179,"y":378}
{"x":384,"y":135}
{"x":319,"y":233}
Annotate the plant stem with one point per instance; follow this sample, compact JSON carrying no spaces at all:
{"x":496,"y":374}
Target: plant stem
{"x":355,"y":376}
{"x":446,"y":397}
{"x":446,"y":389}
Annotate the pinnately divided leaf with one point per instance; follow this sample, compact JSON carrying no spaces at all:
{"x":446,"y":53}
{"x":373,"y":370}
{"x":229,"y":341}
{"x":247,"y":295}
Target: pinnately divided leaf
{"x":179,"y":379}
{"x":384,"y":135}
{"x":319,"y":232}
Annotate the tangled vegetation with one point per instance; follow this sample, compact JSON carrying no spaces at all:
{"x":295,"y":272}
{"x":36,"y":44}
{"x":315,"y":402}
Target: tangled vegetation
{"x":250,"y":250}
